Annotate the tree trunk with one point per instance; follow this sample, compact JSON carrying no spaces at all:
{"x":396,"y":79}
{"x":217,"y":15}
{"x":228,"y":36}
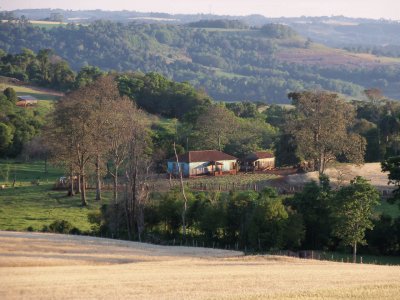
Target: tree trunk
{"x":115,"y":185}
{"x":79,"y":184}
{"x":355,"y":252}
{"x":83,"y":190}
{"x":184,"y":196}
{"x":98,"y":179}
{"x":71,"y":191}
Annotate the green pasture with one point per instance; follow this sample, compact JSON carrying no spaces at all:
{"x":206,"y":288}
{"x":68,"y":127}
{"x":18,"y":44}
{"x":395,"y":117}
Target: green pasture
{"x":33,"y":203}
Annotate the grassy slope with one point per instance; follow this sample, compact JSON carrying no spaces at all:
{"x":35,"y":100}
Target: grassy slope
{"x":46,"y":97}
{"x":38,"y":205}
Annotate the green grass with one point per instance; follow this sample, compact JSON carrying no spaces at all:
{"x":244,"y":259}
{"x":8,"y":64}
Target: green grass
{"x":28,"y":205}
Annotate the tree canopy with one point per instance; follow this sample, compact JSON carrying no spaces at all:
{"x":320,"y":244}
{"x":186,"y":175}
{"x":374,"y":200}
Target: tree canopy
{"x":322,"y":127}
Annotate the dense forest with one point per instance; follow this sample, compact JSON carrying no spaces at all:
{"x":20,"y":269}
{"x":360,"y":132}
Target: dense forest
{"x":230,"y":64}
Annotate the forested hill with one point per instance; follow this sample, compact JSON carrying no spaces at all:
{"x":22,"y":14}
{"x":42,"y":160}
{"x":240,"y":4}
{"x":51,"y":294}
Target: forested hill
{"x":231,"y":62}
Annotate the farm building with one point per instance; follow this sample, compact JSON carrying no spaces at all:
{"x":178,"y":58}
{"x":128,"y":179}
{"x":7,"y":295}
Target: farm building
{"x":26,"y":100}
{"x":258,"y":161}
{"x":205,"y":162}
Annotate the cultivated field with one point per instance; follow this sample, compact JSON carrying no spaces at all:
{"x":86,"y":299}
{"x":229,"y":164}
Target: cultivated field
{"x":46,"y":266}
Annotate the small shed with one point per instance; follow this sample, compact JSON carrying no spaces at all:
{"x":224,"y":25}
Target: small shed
{"x":259,"y":161}
{"x":26,"y":100}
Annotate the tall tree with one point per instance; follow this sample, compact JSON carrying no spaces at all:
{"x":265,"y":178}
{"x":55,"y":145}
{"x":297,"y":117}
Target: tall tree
{"x":138,"y":169}
{"x":72,"y":127}
{"x":321,"y":125}
{"x":214,"y":127}
{"x":353,"y":212}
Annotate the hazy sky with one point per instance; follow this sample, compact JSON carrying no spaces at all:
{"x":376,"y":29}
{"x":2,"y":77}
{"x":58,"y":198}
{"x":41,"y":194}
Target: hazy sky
{"x":389,"y":9}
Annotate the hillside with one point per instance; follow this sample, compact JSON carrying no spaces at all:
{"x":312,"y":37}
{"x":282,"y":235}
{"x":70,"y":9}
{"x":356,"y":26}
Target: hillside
{"x":46,"y":266}
{"x":231,"y":63}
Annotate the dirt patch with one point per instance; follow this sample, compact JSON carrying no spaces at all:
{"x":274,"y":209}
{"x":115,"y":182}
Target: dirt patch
{"x":342,"y":174}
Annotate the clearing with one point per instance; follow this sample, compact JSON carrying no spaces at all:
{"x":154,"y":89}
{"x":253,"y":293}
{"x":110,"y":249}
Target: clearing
{"x":49,"y":266}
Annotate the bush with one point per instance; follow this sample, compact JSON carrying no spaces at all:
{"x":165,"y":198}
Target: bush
{"x":60,"y":226}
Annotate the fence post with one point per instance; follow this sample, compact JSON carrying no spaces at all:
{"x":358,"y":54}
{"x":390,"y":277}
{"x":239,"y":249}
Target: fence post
{"x":361,"y":261}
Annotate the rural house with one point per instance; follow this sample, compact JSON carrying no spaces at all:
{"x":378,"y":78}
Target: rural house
{"x":26,"y":100}
{"x":205,"y":162}
{"x":258,"y":161}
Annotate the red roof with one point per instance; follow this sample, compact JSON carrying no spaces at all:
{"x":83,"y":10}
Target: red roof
{"x":203,"y":155}
{"x":259,"y":155}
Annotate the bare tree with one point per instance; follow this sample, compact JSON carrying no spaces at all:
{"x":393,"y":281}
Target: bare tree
{"x":119,"y":135}
{"x":138,"y":167}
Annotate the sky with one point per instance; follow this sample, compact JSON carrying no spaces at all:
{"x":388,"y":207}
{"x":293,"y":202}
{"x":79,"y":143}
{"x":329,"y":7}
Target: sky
{"x":375,"y":9}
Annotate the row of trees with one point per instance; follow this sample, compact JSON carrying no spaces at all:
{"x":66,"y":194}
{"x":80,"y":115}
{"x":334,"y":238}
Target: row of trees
{"x":46,"y":69}
{"x":317,"y":218}
{"x":96,"y":129}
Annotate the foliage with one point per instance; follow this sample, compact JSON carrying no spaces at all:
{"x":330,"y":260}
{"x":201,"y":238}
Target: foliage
{"x":226,"y":24}
{"x":44,"y":68}
{"x":60,"y":226}
{"x":17,"y":127}
{"x":10,"y":94}
{"x":353,"y":210}
{"x":315,"y":115}
{"x":392,"y":165}
{"x":231,"y":65}
{"x":278,"y":31}
{"x":314,"y":204}
{"x":159,"y":95}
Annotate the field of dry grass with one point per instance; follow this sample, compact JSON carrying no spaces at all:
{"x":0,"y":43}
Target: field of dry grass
{"x":47,"y":266}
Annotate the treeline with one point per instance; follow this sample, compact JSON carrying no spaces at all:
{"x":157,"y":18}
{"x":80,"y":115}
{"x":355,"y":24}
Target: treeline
{"x":225,"y":24}
{"x":387,"y":50}
{"x":45,"y":69}
{"x":230,"y":65}
{"x":317,"y":218}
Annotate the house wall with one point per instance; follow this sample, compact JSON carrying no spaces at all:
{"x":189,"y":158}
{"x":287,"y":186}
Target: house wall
{"x":266,"y":162}
{"x":198,"y":168}
{"x":173,"y":168}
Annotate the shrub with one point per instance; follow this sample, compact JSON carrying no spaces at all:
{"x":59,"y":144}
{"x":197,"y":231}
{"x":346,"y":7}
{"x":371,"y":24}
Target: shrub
{"x":61,"y":226}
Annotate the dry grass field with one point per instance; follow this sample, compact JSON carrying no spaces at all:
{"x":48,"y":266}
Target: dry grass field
{"x":47,"y":266}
